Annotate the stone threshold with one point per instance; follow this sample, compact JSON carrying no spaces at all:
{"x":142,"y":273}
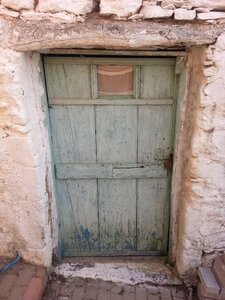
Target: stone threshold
{"x":22,"y":281}
{"x":141,"y":270}
{"x":114,"y":278}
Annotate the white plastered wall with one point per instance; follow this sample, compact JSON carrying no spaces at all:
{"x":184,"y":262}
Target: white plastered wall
{"x":27,"y":206}
{"x":201,"y":202}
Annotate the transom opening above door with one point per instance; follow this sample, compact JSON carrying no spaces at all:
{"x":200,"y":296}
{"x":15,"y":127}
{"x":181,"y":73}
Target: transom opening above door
{"x":115,"y":80}
{"x":109,"y":81}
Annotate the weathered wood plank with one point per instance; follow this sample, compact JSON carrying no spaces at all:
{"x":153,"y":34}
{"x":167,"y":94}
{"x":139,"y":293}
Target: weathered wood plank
{"x":157,"y":81}
{"x":70,"y":60}
{"x":109,"y":160}
{"x":67,"y":223}
{"x":102,"y":33}
{"x":154,"y":133}
{"x":116,"y":132}
{"x":139,"y":171}
{"x":78,"y":215}
{"x":57,"y":81}
{"x":117,"y":215}
{"x":135,"y":53}
{"x":71,"y":81}
{"x":76,"y":171}
{"x":152,"y":195}
{"x":73,"y":131}
{"x":101,"y":171}
{"x":128,"y":102}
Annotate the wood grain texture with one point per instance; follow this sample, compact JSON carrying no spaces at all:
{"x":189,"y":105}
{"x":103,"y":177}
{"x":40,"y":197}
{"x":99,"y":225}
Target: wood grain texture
{"x":110,"y":171}
{"x":118,"y":102}
{"x":157,"y":81}
{"x":70,"y":60}
{"x":71,"y":81}
{"x":103,"y":33}
{"x":154,"y":133}
{"x":152,"y":195}
{"x":116,"y":129}
{"x":78,"y":214}
{"x":112,"y":188}
{"x":73,"y":132}
{"x":135,"y":53}
{"x":117,"y":215}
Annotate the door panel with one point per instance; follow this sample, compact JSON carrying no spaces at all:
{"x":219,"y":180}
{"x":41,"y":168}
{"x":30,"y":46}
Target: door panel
{"x":117,"y":215}
{"x":74,"y":134}
{"x":112,"y":188}
{"x":157,"y":82}
{"x":79,"y":219}
{"x":68,"y":81}
{"x":154,"y":133}
{"x":116,"y":129}
{"x":151,"y":202}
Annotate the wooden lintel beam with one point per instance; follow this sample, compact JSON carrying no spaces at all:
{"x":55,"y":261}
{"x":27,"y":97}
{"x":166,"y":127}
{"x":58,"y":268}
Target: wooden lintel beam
{"x":107,"y":34}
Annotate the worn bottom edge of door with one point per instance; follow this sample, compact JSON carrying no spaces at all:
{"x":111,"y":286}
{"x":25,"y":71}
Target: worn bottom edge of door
{"x":114,"y":254}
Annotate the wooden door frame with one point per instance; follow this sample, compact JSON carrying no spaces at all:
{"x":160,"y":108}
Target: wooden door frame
{"x":179,"y":72}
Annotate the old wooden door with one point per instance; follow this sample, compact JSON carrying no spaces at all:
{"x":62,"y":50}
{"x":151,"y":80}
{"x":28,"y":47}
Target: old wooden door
{"x":111,"y":124}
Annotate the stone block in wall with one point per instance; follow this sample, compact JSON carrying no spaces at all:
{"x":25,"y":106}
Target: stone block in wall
{"x":184,"y":14}
{"x":221,"y":47}
{"x":186,"y":4}
{"x":18,"y":4}
{"x":120,"y":8}
{"x":218,"y":5}
{"x":30,"y":15}
{"x":151,"y":12}
{"x":8,"y":12}
{"x":213,"y":15}
{"x":79,"y":7}
{"x":202,"y":9}
{"x":62,"y":17}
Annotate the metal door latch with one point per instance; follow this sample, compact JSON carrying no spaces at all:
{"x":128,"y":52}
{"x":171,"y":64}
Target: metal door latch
{"x":168,"y":163}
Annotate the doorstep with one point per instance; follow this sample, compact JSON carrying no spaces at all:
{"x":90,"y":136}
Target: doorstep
{"x":114,"y":278}
{"x":130,"y":270}
{"x":22,"y":281}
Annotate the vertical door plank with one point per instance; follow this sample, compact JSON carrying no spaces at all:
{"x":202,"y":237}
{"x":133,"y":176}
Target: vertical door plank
{"x":69,"y":81}
{"x":78,"y":81}
{"x":154,"y":133}
{"x":152,"y":194}
{"x":116,"y":128}
{"x":67,"y":225}
{"x":157,"y":82}
{"x":78,"y":215}
{"x":59,"y":86}
{"x":117,"y":215}
{"x":73,"y":130}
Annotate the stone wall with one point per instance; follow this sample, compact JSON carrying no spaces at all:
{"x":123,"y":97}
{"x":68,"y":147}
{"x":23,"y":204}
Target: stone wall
{"x":201,"y":226}
{"x":27,"y":204}
{"x":27,"y":208}
{"x":71,"y":11}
